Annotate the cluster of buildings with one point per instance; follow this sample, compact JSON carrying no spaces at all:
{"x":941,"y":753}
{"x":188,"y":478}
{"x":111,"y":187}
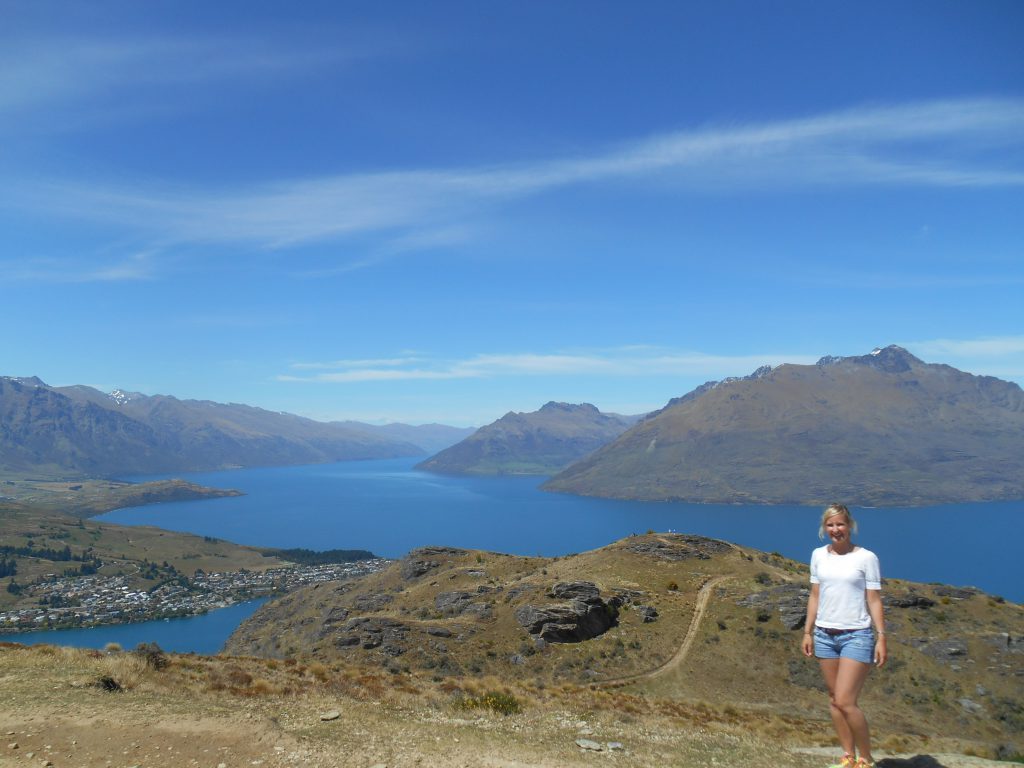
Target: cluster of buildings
{"x":89,"y":600}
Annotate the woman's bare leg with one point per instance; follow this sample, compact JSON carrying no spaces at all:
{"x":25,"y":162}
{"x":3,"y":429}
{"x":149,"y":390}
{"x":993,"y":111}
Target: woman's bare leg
{"x":830,"y":671}
{"x":849,"y":681}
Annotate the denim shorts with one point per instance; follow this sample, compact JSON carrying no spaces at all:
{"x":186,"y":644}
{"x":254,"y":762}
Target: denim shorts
{"x":857,"y":644}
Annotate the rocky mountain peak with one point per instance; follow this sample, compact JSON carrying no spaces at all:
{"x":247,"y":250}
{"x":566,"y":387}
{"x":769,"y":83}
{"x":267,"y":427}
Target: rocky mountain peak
{"x":568,"y":407}
{"x":891,"y":359}
{"x":26,"y":381}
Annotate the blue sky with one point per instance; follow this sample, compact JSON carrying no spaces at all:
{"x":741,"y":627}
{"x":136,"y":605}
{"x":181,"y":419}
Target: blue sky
{"x":408,"y":211}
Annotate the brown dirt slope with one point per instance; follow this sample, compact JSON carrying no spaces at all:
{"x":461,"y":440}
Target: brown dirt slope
{"x":237,"y":711}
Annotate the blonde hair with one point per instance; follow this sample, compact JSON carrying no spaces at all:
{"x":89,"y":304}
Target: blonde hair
{"x":831,"y":511}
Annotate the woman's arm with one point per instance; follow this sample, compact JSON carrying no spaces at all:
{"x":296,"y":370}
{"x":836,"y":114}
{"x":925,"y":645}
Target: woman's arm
{"x":878,"y":619}
{"x":807,"y":644}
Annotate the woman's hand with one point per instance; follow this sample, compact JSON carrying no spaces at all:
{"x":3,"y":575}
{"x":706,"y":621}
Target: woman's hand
{"x":881,"y":652}
{"x":807,"y":645}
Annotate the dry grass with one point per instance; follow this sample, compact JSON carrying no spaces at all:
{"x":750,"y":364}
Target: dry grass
{"x":127,"y":669}
{"x":733,"y":698}
{"x":270,"y":712}
{"x":743,"y":666}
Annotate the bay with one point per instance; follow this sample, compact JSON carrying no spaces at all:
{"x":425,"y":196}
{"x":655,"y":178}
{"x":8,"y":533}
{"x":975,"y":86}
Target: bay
{"x":388,"y":507}
{"x":204,"y":634}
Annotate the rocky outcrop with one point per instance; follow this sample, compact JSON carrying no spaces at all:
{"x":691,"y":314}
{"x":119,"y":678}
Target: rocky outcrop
{"x":788,"y":600}
{"x":374,"y":632}
{"x":679,"y":546}
{"x":372,"y":602}
{"x":648,"y":613}
{"x":946,"y":651}
{"x":907,"y":600}
{"x":1007,"y":643}
{"x":334,"y":617}
{"x":421,"y":561}
{"x":576,"y":590}
{"x":956,"y":593}
{"x":461,"y":602}
{"x":585,"y":616}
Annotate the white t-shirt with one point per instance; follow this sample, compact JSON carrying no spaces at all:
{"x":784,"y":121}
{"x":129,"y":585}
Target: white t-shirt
{"x":842,"y":581}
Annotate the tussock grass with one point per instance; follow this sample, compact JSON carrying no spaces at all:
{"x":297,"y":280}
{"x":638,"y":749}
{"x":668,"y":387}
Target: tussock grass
{"x":127,"y":669}
{"x":501,"y":702}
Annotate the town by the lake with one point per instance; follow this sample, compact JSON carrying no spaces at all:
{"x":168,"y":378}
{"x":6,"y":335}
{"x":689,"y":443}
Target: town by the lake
{"x":86,"y":601}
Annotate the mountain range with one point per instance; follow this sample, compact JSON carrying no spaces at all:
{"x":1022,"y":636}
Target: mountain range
{"x":880,"y":429}
{"x":79,"y":429}
{"x":538,"y":443}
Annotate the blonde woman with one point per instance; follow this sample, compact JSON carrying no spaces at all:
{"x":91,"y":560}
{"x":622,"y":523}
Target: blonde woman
{"x":846,"y":600}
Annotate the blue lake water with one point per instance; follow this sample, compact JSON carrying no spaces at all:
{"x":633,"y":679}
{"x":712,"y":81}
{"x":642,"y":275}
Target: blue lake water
{"x":389,"y":508}
{"x":204,"y":634}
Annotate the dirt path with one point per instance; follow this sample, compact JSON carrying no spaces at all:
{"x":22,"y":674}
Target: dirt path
{"x":703,"y":596}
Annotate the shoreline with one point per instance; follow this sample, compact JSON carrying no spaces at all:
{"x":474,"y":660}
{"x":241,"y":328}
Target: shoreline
{"x":109,"y":601}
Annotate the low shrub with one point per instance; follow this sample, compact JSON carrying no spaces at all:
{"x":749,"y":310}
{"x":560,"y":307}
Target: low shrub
{"x":495,"y":701}
{"x":153,"y":655}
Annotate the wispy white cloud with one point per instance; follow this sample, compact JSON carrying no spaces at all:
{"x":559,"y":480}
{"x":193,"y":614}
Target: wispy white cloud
{"x":390,"y":362}
{"x":992,"y":346}
{"x":423,"y":240}
{"x":979,"y":277}
{"x":946,"y":144}
{"x":134,"y":267}
{"x":620,"y":362}
{"x":1001,"y":356}
{"x":71,"y":72}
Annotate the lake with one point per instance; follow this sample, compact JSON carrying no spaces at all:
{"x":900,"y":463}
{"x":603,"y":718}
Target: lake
{"x":389,"y":508}
{"x":199,"y":634}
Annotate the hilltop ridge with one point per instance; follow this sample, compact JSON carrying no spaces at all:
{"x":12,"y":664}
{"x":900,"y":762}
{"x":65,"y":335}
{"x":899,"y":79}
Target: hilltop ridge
{"x":665,"y":616}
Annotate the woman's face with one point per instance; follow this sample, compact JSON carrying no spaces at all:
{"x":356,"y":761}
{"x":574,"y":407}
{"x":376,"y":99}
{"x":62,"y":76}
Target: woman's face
{"x":838,"y":529}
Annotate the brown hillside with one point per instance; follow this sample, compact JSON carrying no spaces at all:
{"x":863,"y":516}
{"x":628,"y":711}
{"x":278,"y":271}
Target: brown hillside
{"x":701,"y":623}
{"x":79,"y":431}
{"x":883,"y":429}
{"x":538,"y":443}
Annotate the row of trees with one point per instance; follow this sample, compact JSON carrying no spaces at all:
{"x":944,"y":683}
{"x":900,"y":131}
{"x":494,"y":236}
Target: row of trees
{"x":44,"y":553}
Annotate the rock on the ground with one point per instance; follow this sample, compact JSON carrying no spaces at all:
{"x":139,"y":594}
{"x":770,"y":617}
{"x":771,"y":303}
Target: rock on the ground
{"x":582,"y":618}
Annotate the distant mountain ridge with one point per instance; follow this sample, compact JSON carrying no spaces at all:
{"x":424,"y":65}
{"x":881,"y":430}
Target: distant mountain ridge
{"x":878,"y":429}
{"x":537,"y":443}
{"x":430,"y":437}
{"x":79,"y":429}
